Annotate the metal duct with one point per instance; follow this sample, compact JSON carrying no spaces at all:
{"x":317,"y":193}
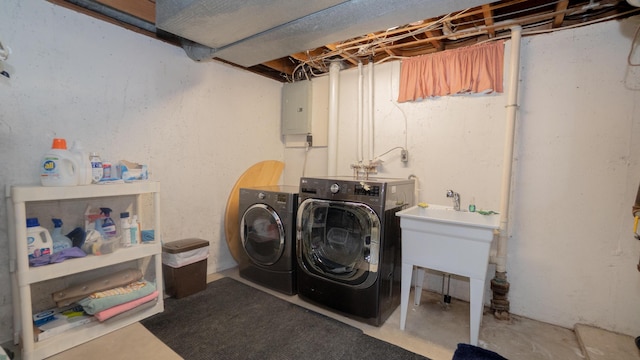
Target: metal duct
{"x":217,"y":23}
{"x":252,"y":32}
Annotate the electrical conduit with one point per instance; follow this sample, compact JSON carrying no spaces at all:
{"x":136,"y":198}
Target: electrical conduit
{"x":360,"y":117}
{"x":371,"y":108}
{"x":332,"y":141}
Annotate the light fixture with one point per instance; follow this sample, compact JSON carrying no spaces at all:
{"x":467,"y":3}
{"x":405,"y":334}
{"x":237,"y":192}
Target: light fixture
{"x":635,"y":3}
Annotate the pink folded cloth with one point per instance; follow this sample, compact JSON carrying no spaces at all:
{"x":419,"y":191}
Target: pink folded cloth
{"x":118,"y":309}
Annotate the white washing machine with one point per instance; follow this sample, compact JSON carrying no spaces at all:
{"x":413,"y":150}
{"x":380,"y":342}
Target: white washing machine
{"x":267,"y":232}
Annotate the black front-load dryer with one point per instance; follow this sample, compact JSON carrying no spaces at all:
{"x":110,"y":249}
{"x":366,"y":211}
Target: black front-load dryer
{"x":267,"y":232}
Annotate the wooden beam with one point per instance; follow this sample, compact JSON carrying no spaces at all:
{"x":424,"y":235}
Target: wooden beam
{"x":561,"y":6}
{"x":142,"y":9}
{"x":344,"y":54}
{"x":111,"y":20}
{"x":383,"y":47}
{"x":283,"y":65}
{"x":437,"y":44}
{"x":308,"y":57}
{"x":488,"y":19}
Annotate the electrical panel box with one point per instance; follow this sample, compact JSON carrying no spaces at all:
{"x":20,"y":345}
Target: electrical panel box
{"x":296,"y":108}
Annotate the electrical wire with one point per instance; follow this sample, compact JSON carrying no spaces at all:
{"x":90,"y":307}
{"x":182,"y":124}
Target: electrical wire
{"x":371,"y":47}
{"x":388,"y":151}
{"x":306,"y":153}
{"x":635,"y":37}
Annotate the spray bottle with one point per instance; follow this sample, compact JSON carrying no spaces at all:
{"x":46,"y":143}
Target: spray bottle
{"x":108,"y":226}
{"x":60,"y":242}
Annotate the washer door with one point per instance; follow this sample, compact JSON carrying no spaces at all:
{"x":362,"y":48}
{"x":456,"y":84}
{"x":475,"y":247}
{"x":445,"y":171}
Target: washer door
{"x":262,"y":234}
{"x":339,"y":240}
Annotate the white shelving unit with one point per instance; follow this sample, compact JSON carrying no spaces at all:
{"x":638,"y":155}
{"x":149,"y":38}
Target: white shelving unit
{"x":23,"y":276}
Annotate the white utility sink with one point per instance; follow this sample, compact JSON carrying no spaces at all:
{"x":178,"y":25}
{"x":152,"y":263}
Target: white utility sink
{"x":446,"y":214}
{"x":456,"y":242}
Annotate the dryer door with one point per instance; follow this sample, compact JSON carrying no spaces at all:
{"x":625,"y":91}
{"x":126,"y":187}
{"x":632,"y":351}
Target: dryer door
{"x":339,"y":240}
{"x":262,"y":234}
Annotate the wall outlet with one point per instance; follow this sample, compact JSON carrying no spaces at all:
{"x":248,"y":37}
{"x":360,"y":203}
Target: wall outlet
{"x":404,"y":155}
{"x":310,"y":140}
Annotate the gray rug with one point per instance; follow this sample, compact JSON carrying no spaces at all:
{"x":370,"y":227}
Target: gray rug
{"x":230,"y":320}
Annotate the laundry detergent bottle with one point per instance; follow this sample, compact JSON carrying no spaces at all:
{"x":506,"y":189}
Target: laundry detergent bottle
{"x":60,"y":242}
{"x":84,"y":170}
{"x":108,"y":226}
{"x":59,"y":166}
{"x":39,"y":240}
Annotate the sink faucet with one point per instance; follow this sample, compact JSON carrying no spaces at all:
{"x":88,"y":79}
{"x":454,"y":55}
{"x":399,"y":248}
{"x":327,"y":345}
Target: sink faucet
{"x":456,"y":199}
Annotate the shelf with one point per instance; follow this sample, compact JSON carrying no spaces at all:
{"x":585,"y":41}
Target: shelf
{"x":42,"y":193}
{"x":81,"y":334}
{"x":90,"y":262}
{"x":19,"y":198}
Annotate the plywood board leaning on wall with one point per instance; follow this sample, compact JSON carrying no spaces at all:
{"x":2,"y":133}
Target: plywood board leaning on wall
{"x":264,"y":173}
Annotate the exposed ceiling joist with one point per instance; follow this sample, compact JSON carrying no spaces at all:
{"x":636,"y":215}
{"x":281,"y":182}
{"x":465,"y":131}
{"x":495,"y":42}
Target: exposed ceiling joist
{"x":447,"y":29}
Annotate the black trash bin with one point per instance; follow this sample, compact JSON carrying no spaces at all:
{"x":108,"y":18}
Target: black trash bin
{"x":184,"y":264}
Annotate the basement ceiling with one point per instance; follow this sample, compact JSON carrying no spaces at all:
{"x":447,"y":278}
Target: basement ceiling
{"x":291,"y":39}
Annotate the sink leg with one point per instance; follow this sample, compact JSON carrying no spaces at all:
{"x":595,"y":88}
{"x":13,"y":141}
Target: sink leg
{"x":419,"y":282}
{"x":405,"y":288}
{"x":475,"y":309}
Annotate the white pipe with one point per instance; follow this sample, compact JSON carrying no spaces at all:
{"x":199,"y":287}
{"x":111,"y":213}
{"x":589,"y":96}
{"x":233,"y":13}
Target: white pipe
{"x":360,"y":135}
{"x":332,"y":141}
{"x":371,"y":154}
{"x":512,"y":109}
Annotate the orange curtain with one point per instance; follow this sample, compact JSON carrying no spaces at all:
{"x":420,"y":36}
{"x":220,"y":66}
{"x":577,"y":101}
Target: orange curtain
{"x":473,"y":69}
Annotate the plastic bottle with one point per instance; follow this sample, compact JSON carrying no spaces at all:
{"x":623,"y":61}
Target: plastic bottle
{"x":472,"y":205}
{"x":106,"y":170}
{"x":135,"y":230}
{"x":58,"y":166}
{"x":125,"y":227}
{"x":96,"y":167}
{"x":60,"y":242}
{"x":39,"y":240}
{"x":108,"y":226}
{"x":84,"y":166}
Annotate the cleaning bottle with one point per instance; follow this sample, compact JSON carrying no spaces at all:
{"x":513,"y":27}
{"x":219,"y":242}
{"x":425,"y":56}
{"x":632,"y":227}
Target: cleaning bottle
{"x":135,"y":230}
{"x":60,"y":242}
{"x":39,"y":240}
{"x":58,"y":166}
{"x":82,"y":159}
{"x":96,"y":167}
{"x":125,"y":227}
{"x":108,"y":226}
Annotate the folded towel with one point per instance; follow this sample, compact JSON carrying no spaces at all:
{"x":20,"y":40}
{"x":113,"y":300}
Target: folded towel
{"x":103,"y":300}
{"x":147,"y":235}
{"x":80,"y":291}
{"x":118,"y":309}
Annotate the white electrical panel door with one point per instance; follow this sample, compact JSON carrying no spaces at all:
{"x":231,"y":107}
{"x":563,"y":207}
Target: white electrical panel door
{"x":296,"y":108}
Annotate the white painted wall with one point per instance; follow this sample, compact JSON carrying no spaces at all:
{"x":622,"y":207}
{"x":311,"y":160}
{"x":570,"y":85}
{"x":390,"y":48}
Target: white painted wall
{"x":571,"y":254}
{"x":199,"y":126}
{"x":572,"y":257}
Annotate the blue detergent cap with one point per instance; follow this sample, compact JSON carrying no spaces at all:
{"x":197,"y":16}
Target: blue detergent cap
{"x":106,"y":211}
{"x":32,"y":222}
{"x":57,"y":223}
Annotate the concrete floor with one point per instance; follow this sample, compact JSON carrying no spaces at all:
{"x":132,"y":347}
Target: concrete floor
{"x":434,"y":331}
{"x":431,"y":330}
